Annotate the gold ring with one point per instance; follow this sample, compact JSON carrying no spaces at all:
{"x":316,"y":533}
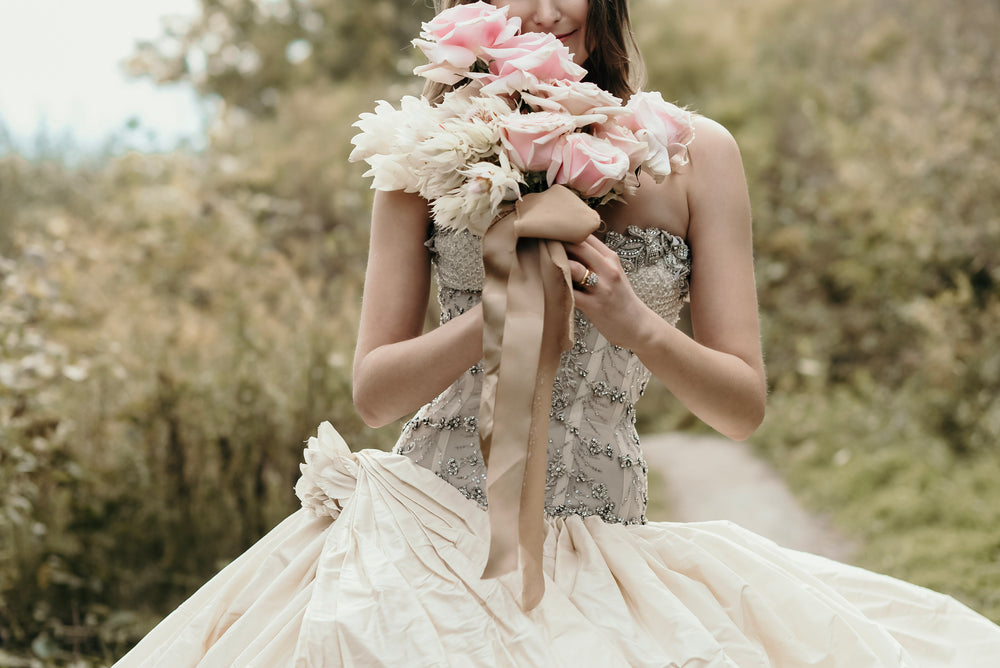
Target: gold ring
{"x":589,"y":280}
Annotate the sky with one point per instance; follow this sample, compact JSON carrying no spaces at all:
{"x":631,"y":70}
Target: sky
{"x":61,"y":71}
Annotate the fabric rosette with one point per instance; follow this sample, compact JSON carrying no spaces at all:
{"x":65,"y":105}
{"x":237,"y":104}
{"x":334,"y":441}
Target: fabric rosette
{"x":329,"y":474}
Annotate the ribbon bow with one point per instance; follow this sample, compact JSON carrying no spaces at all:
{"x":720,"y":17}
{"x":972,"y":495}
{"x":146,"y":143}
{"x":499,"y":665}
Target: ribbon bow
{"x":528,"y":322}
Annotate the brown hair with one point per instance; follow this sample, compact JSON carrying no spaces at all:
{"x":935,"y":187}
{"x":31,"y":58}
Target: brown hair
{"x":613,"y":62}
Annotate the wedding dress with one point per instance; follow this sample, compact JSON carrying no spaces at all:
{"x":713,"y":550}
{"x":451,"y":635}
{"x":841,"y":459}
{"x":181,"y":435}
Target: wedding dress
{"x":382,"y":566}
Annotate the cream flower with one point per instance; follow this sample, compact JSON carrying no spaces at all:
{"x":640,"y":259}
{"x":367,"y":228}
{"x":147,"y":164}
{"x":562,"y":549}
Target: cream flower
{"x":377,"y":131}
{"x":487,"y":108}
{"x":420,"y":121}
{"x":474,"y":204}
{"x":389,"y":139}
{"x":441,"y":159}
{"x":392,"y":172}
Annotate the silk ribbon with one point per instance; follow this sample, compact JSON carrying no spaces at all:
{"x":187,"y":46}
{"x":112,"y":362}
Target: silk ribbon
{"x":527,"y":323}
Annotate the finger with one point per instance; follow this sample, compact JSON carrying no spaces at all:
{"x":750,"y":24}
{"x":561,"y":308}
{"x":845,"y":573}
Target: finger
{"x":590,"y":240}
{"x":585,"y":253}
{"x":603,"y":250}
{"x":595,"y":242}
{"x":609,"y":268}
{"x":577,"y":271}
{"x":593,"y":252}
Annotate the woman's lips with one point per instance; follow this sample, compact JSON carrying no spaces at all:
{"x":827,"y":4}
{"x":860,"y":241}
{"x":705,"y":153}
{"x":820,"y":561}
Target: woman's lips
{"x":565,"y":35}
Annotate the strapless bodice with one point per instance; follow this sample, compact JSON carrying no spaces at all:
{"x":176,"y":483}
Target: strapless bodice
{"x":595,"y":465}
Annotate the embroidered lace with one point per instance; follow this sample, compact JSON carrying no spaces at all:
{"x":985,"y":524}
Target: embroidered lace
{"x":595,"y":465}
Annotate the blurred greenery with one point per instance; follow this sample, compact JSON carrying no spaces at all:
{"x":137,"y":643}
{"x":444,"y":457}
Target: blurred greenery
{"x":172,"y":327}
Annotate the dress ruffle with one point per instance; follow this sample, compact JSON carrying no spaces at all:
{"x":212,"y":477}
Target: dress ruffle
{"x":381,"y":567}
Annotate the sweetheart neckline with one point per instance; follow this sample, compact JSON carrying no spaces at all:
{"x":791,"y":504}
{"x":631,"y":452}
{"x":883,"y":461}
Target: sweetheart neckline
{"x":631,"y":231}
{"x":639,"y":231}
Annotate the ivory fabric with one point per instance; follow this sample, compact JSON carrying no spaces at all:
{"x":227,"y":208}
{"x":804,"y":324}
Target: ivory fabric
{"x":382,"y":566}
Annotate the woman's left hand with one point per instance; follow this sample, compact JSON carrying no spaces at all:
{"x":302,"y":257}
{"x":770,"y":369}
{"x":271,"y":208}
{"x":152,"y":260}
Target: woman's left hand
{"x":610,"y":304}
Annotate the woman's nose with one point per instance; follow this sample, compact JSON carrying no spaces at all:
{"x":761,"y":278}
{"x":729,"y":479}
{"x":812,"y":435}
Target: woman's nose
{"x":546,"y":14}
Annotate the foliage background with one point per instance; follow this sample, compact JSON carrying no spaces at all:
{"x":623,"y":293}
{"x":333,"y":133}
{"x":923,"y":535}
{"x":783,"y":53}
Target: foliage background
{"x":172,"y":327}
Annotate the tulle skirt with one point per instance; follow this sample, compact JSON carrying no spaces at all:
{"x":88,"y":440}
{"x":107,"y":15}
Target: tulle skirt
{"x":382,"y":568}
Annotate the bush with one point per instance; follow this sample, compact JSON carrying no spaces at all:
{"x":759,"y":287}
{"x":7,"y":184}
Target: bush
{"x":161,"y":363}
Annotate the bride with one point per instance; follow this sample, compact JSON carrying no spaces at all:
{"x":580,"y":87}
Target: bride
{"x":384,"y":565}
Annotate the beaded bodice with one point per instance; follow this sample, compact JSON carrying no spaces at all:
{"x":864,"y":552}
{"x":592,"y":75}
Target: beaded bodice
{"x":595,"y":465}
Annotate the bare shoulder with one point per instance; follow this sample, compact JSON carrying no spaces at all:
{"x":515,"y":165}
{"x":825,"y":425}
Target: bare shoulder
{"x":712,"y":148}
{"x":692,"y":191}
{"x":716,"y":186}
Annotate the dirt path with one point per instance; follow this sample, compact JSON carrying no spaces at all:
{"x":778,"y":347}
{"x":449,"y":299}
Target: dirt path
{"x":710,"y":478}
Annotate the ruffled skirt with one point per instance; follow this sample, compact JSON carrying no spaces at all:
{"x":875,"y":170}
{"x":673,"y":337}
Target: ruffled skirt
{"x":381,"y":567}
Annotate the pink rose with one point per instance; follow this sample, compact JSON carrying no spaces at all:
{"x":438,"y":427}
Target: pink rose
{"x":532,"y":139}
{"x":625,"y":140}
{"x":456,"y":37}
{"x":665,"y":127}
{"x":528,"y":59}
{"x":573,"y":97}
{"x":590,"y":165}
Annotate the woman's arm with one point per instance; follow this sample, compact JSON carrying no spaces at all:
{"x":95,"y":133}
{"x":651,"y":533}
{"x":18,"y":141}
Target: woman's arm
{"x":719,"y":374}
{"x":397,"y":369}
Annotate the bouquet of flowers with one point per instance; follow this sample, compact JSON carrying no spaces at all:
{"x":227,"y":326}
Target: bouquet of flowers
{"x":519,"y":119}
